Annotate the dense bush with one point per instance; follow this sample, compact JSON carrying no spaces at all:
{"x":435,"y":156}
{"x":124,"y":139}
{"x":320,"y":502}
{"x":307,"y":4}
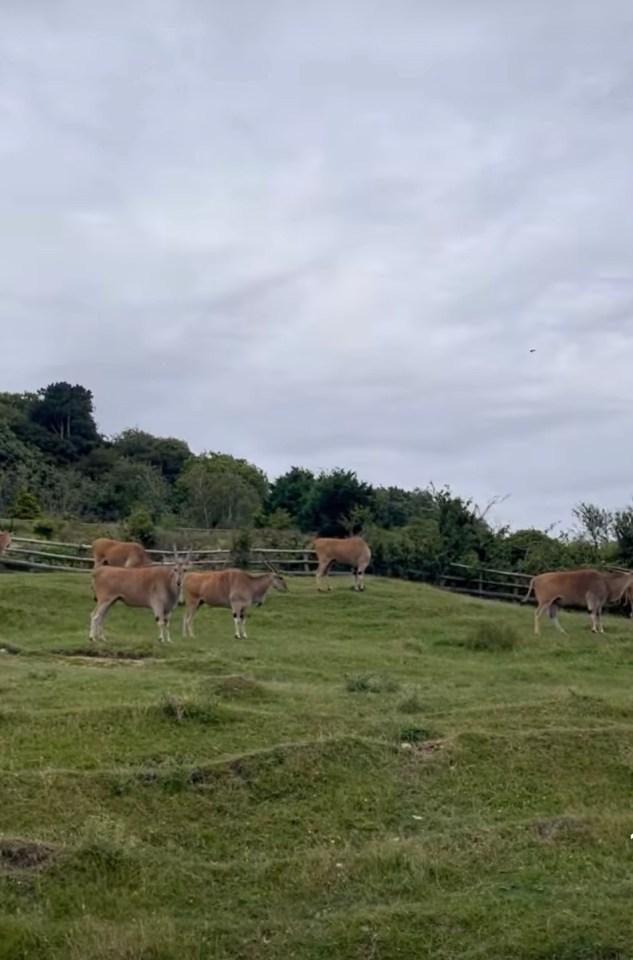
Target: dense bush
{"x":140,"y":527}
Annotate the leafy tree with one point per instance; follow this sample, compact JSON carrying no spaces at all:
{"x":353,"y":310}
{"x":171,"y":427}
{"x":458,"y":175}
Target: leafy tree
{"x":66,"y":412}
{"x":291,"y":492}
{"x":394,"y":507}
{"x":99,"y":462}
{"x":279,"y":519}
{"x":167,"y":454}
{"x":222,"y":491}
{"x":462,"y":531}
{"x":623,"y":529}
{"x":128,"y":486}
{"x":532,"y":551}
{"x":596,"y":524}
{"x":14,"y":451}
{"x":331,"y":503}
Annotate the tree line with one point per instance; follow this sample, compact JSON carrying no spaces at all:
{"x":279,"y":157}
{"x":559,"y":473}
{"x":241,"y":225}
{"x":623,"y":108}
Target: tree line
{"x":55,"y":463}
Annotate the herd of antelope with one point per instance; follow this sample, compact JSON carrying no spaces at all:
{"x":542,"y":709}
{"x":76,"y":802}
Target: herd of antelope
{"x":125,"y":571}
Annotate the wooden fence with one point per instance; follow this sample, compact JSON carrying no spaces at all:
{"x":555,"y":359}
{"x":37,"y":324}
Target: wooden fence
{"x":49,"y":556}
{"x":56,"y":556}
{"x":486,"y":582}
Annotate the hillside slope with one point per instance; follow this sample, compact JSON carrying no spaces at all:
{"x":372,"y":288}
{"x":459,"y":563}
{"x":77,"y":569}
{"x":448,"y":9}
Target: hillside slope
{"x":353,"y":781}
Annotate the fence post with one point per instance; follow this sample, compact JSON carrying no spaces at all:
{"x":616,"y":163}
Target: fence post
{"x":306,"y":562}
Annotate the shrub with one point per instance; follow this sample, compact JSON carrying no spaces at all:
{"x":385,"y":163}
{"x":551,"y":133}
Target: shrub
{"x":241,"y":549}
{"x":44,"y":528}
{"x":411,"y":703}
{"x":491,"y":635}
{"x":140,"y":527}
{"x":25,"y":506}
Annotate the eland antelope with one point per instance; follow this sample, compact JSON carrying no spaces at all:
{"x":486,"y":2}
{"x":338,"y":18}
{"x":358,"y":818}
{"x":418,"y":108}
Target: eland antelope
{"x":234,"y":589}
{"x":590,"y":588}
{"x":352,"y":552}
{"x":5,"y":540}
{"x":119,"y":553}
{"x":156,"y":588}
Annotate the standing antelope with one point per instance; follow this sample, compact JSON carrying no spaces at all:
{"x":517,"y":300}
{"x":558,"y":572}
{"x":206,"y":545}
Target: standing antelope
{"x":156,"y":588}
{"x":590,"y":588}
{"x":231,"y":588}
{"x":5,"y":540}
{"x":353,"y":552}
{"x":119,"y":553}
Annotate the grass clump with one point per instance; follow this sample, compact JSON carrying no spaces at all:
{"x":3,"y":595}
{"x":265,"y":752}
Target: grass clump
{"x":370,"y":683}
{"x":183,"y":709}
{"x":493,"y":636}
{"x":412,"y":703}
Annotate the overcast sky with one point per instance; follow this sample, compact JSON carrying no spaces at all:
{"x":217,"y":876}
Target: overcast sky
{"x":330,"y":234}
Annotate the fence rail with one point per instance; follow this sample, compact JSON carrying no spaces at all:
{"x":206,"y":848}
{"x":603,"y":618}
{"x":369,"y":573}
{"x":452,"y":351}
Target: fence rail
{"x":54,"y":556}
{"x":27,"y":554}
{"x":31,"y":554}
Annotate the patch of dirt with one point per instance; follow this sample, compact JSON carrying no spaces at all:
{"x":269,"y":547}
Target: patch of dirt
{"x":424,"y":749}
{"x":99,"y":653}
{"x":562,"y":828}
{"x":113,"y":661}
{"x":25,"y":854}
{"x":240,"y":769}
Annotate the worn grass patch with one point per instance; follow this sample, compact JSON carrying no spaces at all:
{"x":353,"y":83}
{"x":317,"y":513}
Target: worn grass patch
{"x":370,"y":683}
{"x":24,"y":854}
{"x":359,"y":781}
{"x":492,"y":636}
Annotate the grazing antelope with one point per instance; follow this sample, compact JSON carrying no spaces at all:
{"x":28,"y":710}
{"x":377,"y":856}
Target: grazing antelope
{"x":156,"y":588}
{"x":353,"y":552}
{"x":231,"y":588}
{"x":119,"y":553}
{"x":590,"y":588}
{"x":5,"y":540}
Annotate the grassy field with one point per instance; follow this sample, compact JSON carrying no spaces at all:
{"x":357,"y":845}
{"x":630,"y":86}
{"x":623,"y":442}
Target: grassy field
{"x":367,"y":777}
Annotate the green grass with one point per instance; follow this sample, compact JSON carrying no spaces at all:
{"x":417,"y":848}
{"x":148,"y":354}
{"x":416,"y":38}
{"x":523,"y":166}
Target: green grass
{"x":359,"y":780}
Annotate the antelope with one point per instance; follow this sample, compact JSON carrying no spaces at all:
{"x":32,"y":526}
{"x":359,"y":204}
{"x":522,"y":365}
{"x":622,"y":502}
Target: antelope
{"x":628,"y":598}
{"x":588,"y":587}
{"x":353,"y":552}
{"x":233,"y":588}
{"x":119,"y":553}
{"x":5,"y":540}
{"x":156,"y":588}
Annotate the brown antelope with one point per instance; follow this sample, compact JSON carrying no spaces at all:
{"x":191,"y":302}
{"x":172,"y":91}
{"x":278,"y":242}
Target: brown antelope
{"x":590,"y":588}
{"x":353,"y":552}
{"x":5,"y":540}
{"x":628,"y":599}
{"x":233,"y":588}
{"x":119,"y":553}
{"x":156,"y":588}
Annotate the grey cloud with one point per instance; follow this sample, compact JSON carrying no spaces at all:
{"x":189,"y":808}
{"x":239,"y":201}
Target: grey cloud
{"x":331,"y":234}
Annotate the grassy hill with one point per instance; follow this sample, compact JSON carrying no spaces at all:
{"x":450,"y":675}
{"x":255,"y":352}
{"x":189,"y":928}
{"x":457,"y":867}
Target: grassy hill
{"x":366,"y":778}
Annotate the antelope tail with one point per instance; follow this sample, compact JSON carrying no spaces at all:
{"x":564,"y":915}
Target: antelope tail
{"x":527,"y":595}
